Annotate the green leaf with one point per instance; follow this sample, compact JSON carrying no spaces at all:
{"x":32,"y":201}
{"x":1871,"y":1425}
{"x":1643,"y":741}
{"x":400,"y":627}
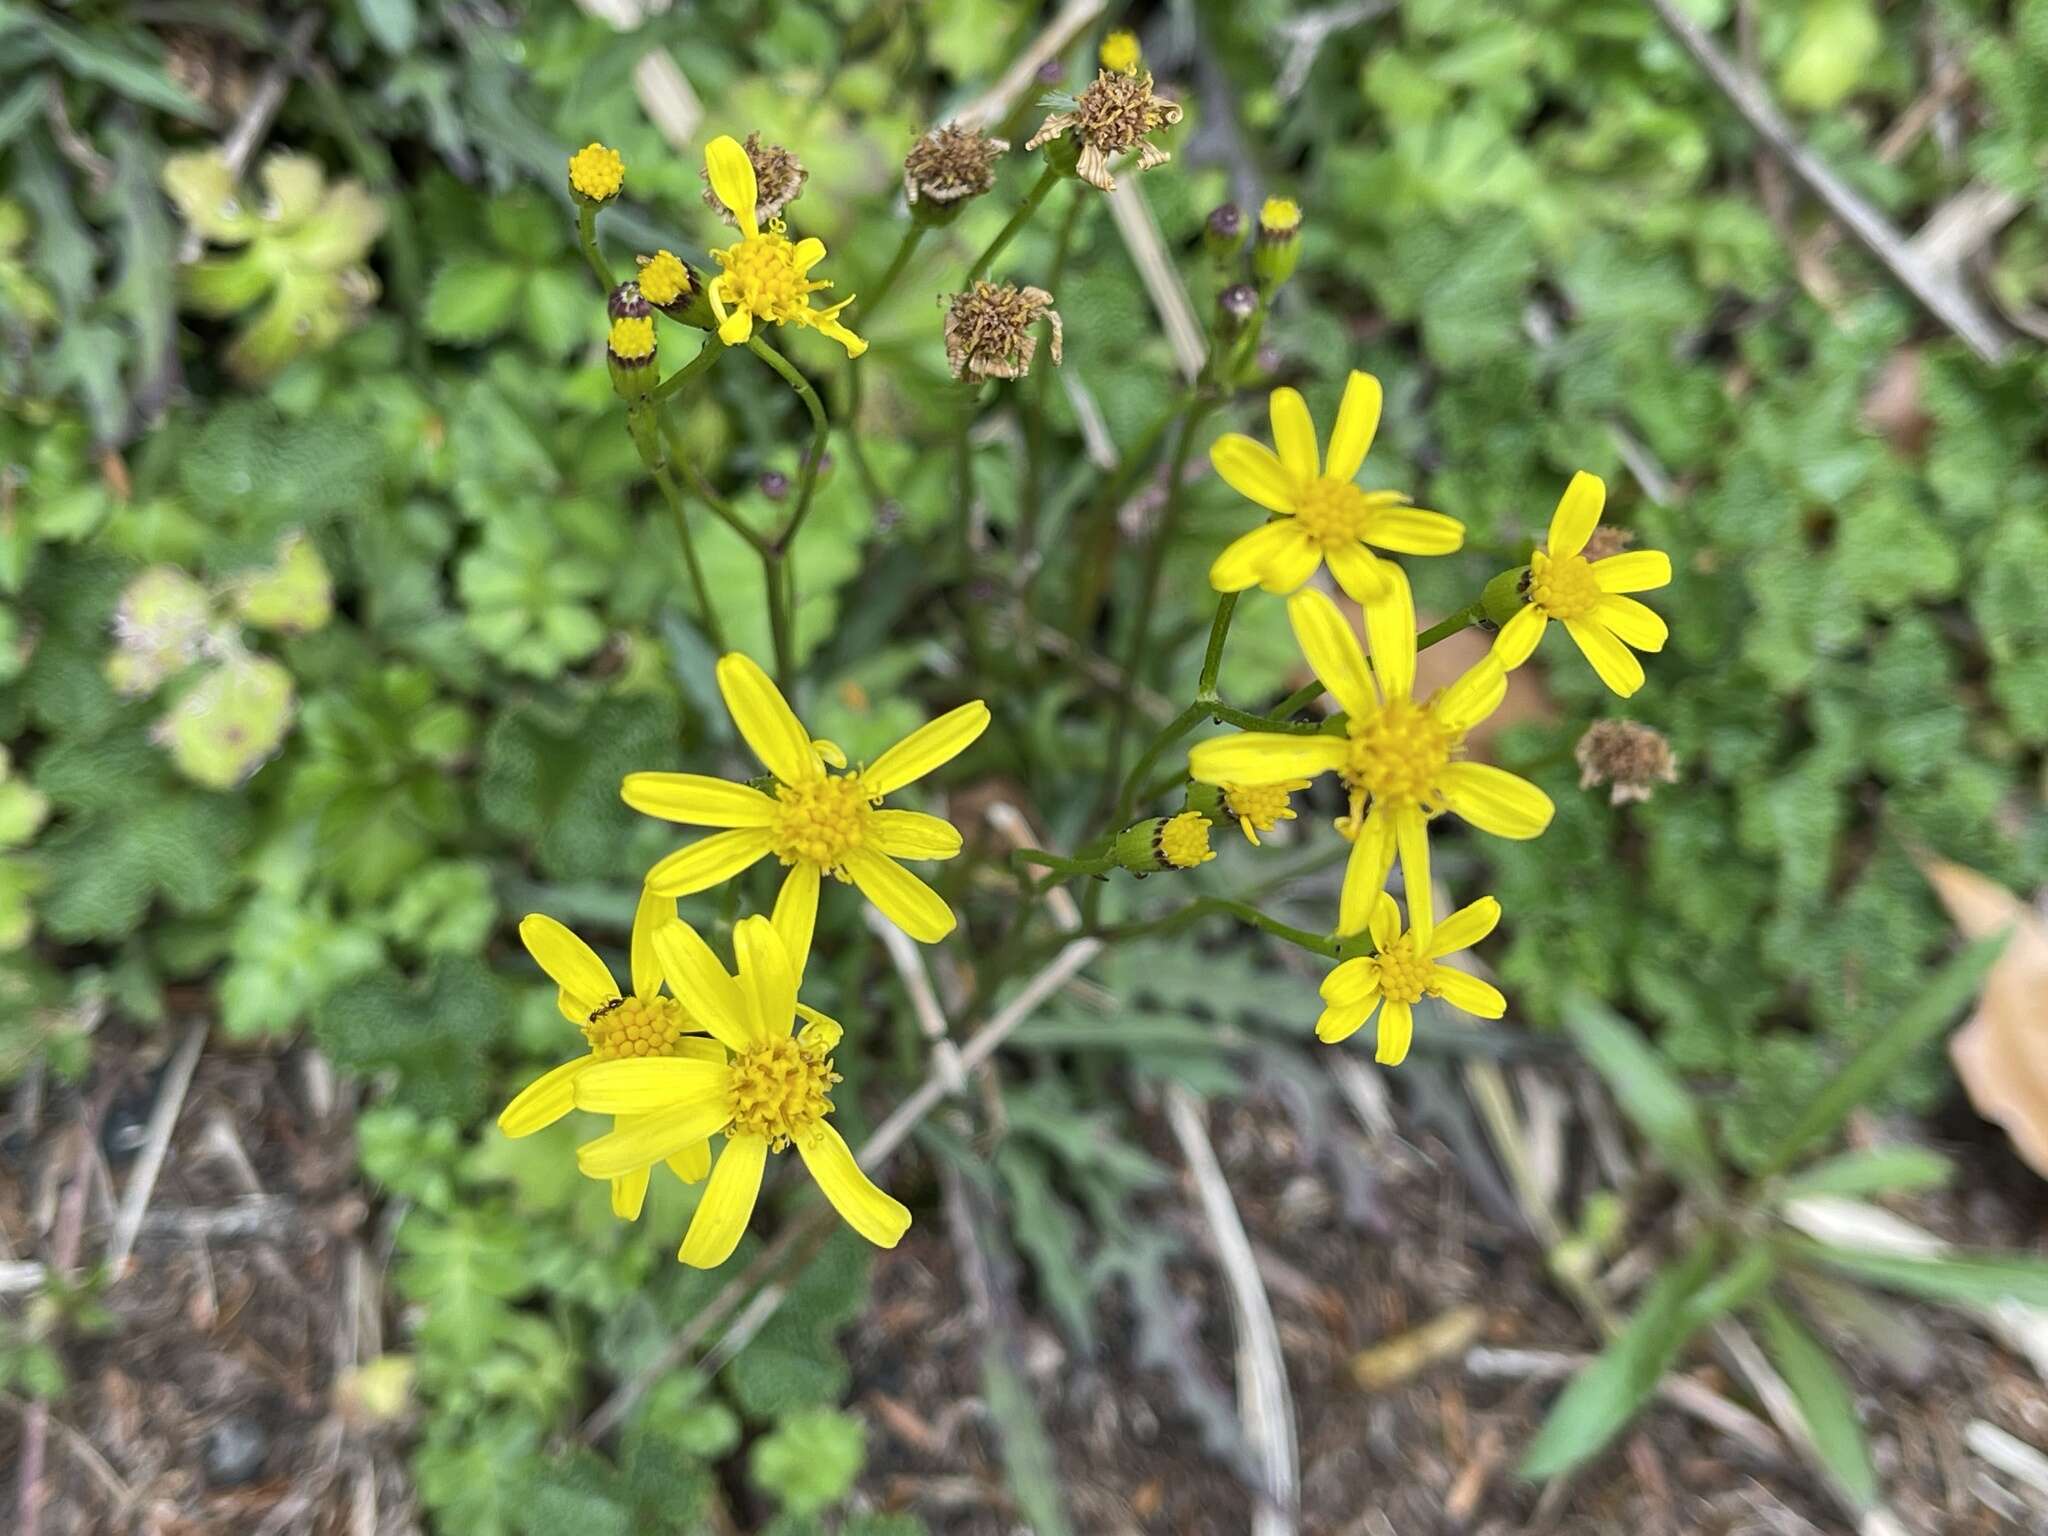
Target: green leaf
{"x":1928,"y":1015}
{"x":810,"y":1460}
{"x":795,"y":1361}
{"x":1825,"y":1402}
{"x":1648,"y":1092}
{"x":472,"y":300}
{"x":1029,"y":1464}
{"x":436,"y":1035}
{"x":1978,"y":1279}
{"x":1605,"y":1395}
{"x":94,"y":56}
{"x":1881,"y":1170}
{"x":393,"y":23}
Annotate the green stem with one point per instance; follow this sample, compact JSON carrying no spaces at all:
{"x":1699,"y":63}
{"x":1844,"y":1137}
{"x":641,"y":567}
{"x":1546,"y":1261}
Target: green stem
{"x":709,"y":353}
{"x":1008,"y":232}
{"x":764,"y":548}
{"x":807,"y":479}
{"x":1297,"y":701}
{"x":1462,"y":620}
{"x":646,"y":436}
{"x":586,"y":235}
{"x":905,"y":249}
{"x":1060,"y":865}
{"x":1039,"y":391}
{"x":1203,"y":906}
{"x":701,"y":488}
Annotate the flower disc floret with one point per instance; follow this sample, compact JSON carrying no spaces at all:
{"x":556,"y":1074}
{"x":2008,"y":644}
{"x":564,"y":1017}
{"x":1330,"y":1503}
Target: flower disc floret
{"x":781,"y":1091}
{"x":597,"y":172}
{"x":821,"y":821}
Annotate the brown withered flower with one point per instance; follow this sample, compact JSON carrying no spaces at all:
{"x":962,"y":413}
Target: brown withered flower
{"x":1110,"y":118}
{"x":951,"y":165}
{"x":779,"y":175}
{"x":991,"y":330}
{"x":1630,"y":758}
{"x":1607,"y":540}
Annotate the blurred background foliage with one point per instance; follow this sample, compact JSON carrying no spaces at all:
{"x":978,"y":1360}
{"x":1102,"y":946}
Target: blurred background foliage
{"x":333,"y":604}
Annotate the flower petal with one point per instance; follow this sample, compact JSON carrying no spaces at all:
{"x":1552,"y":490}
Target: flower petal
{"x":572,"y":965}
{"x":732,"y":181}
{"x":1250,"y":469}
{"x":1354,"y":978}
{"x":639,"y":1085}
{"x":697,"y":800}
{"x":544,"y":1100}
{"x":701,"y":985}
{"x":1633,"y":623}
{"x":913,"y":835}
{"x":692,"y":1164}
{"x":1517,"y":639}
{"x":1264,"y":757}
{"x":652,"y":911}
{"x":904,"y":899}
{"x":1397,"y":1029}
{"x":1385,"y":924}
{"x":796,"y":913}
{"x":1390,"y":632}
{"x":1360,"y":572}
{"x":1294,"y":434}
{"x":1334,"y":655}
{"x":1463,"y":928}
{"x":727,"y":1205}
{"x":1358,"y":418}
{"x":1472,"y":696}
{"x":1577,"y":515}
{"x":767,"y":722}
{"x":1340,"y":1021}
{"x":641,"y":1141}
{"x":1411,"y":834}
{"x":709,"y":861}
{"x":931,"y":745}
{"x":1633,"y":570}
{"x":874,"y":1214}
{"x":629,"y":1194}
{"x":1413,"y":531}
{"x":736,"y":327}
{"x":1245,"y":558}
{"x":1615,"y":662}
{"x":1365,"y":874}
{"x":1292,"y":561}
{"x":767,"y":979}
{"x":1462,"y":990}
{"x":1494,"y":800}
{"x":806,"y":254}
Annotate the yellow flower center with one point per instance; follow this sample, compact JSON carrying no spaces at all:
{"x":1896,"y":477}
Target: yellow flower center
{"x":1280,"y":216}
{"x":820,"y":822}
{"x":780,"y":1090}
{"x":597,"y":172}
{"x":632,"y":338}
{"x":1404,"y":975}
{"x":1563,"y":588}
{"x":760,"y":276}
{"x":1184,"y":840}
{"x":1263,"y":805}
{"x":664,"y":278}
{"x":1397,"y":753}
{"x":1333,"y":513}
{"x":635,"y":1026}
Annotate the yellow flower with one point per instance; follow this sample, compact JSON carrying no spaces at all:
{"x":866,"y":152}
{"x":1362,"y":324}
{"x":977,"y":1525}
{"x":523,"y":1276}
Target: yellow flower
{"x":816,"y":822}
{"x":764,"y":276}
{"x":1323,"y":517}
{"x":1184,"y":840}
{"x":631,"y":338}
{"x":1280,"y":217}
{"x":664,"y":278}
{"x":1120,"y":52}
{"x":772,"y":1093}
{"x":597,"y":173}
{"x":1261,"y":807}
{"x":616,"y":1026}
{"x":1586,"y":595}
{"x":1397,"y":756}
{"x":1402,"y":971}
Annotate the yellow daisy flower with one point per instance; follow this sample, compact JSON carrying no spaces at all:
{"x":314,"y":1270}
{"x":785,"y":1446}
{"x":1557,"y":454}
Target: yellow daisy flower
{"x":815,"y":821}
{"x":1403,"y":970}
{"x":1398,"y":757}
{"x":773,"y":1093}
{"x":764,"y":276}
{"x":641,"y":1024}
{"x":1261,"y":807}
{"x":1586,"y":596}
{"x":1322,"y":517}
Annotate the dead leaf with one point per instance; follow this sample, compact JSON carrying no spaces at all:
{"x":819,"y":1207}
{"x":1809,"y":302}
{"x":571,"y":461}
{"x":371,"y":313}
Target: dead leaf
{"x":1392,"y":1361}
{"x":2001,"y":1052}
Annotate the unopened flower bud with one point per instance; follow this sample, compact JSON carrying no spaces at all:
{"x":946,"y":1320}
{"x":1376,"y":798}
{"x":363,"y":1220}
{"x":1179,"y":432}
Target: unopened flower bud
{"x":1223,"y":233}
{"x":629,"y":344}
{"x":1278,"y":246}
{"x":1503,"y":597}
{"x":1235,"y":307}
{"x":1630,"y":758}
{"x":774,"y":484}
{"x":672,"y":286}
{"x":596,"y":173}
{"x":1164,"y":842}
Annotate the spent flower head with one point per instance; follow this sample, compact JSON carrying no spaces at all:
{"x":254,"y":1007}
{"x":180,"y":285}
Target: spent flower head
{"x":1630,"y":758}
{"x":950,"y":166}
{"x":1112,"y":117}
{"x":992,"y":330}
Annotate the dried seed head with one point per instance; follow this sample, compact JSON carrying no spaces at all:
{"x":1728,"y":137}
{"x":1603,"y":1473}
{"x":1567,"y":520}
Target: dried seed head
{"x":1628,"y":757}
{"x":951,"y":165}
{"x":991,"y":330}
{"x":1607,"y":540}
{"x":1112,"y":117}
{"x":778,"y":174}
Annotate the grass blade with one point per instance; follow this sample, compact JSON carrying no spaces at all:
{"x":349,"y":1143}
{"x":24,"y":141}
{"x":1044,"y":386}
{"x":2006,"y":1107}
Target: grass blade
{"x":1825,"y":1402}
{"x":1647,"y":1090}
